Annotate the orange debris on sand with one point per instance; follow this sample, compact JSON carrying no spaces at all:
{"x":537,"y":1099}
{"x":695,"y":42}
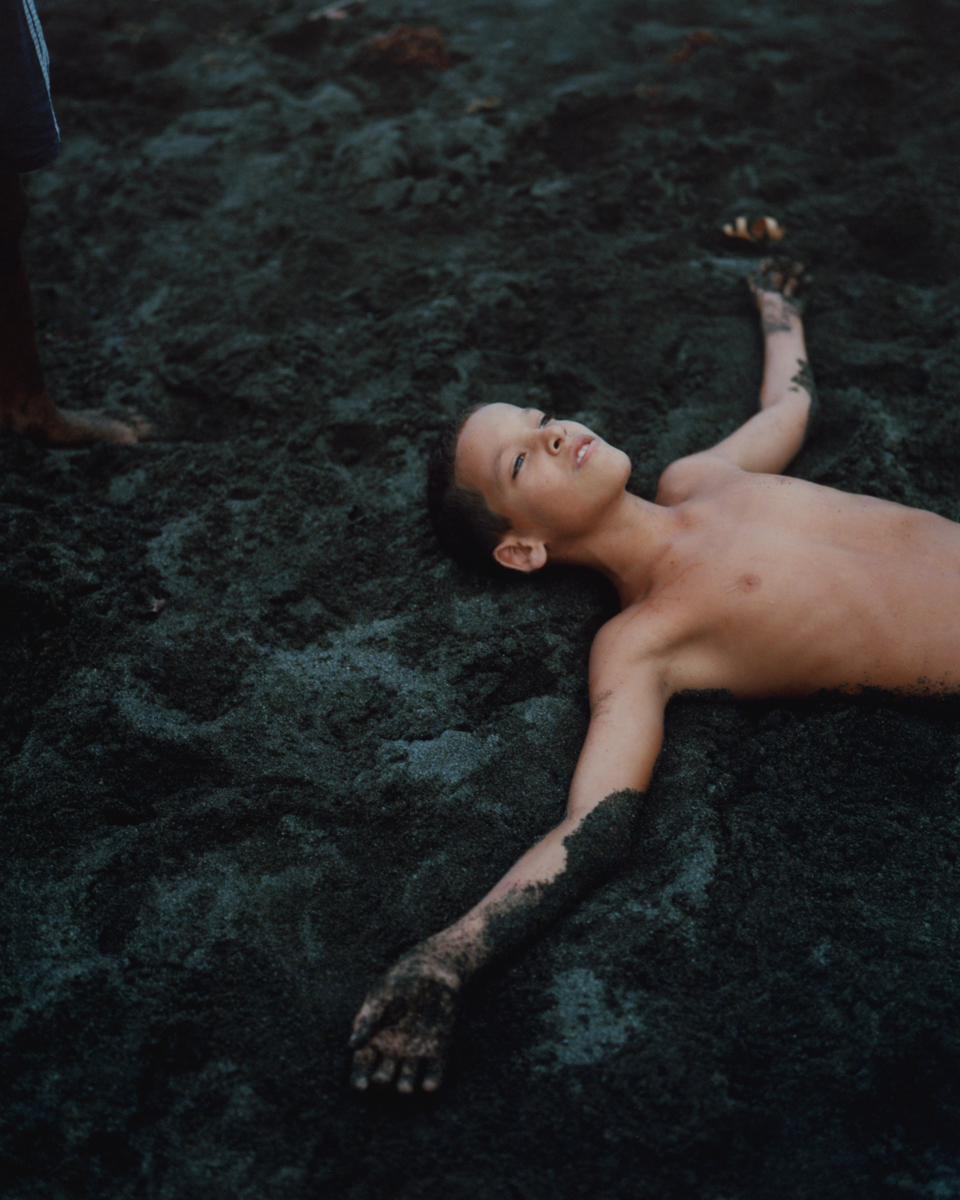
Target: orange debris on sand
{"x":692,"y":43}
{"x":409,"y":47}
{"x":486,"y":105}
{"x":756,"y":231}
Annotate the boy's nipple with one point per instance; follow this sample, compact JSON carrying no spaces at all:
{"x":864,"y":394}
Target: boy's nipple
{"x":746,"y":583}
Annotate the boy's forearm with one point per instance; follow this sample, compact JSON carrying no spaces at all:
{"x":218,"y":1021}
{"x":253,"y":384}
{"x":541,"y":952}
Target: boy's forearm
{"x":785,"y":349}
{"x":539,"y":887}
{"x":787,"y":377}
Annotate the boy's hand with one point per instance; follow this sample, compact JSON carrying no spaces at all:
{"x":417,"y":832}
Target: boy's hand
{"x":774,"y":285}
{"x":406,"y":1023}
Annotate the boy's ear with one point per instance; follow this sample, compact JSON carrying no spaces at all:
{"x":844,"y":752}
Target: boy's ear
{"x":521,"y":554}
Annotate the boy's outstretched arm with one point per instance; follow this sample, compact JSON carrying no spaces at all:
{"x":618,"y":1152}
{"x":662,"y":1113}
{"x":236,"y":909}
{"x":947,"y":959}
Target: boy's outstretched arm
{"x":774,"y":435}
{"x":402,"y":1033}
{"x":769,"y":440}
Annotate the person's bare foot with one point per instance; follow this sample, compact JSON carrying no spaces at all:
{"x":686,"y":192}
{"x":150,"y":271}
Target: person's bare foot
{"x":40,"y":419}
{"x":25,"y":406}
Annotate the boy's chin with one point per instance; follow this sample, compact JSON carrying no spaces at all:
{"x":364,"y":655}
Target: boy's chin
{"x":625,"y":463}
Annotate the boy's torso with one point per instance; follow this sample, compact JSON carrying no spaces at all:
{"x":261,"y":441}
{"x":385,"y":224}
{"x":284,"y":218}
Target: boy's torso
{"x":777,"y":586}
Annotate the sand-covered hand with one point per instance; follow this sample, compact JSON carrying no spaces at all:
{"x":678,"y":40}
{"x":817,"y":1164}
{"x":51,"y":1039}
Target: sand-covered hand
{"x":402,"y":1033}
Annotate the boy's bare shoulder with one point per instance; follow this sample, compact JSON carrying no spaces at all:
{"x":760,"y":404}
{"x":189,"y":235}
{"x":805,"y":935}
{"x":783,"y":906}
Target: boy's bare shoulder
{"x":687,"y":476}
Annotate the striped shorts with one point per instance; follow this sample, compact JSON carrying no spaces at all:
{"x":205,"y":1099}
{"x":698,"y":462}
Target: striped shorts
{"x":29,"y":137}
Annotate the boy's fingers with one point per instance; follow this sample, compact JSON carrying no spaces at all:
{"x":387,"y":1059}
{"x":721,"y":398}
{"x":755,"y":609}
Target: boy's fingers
{"x":793,"y":278}
{"x":385,"y":1072}
{"x":407,"y":1076}
{"x":362,"y":1074}
{"x":767,"y":277}
{"x":363,"y":1062}
{"x":432,"y":1074}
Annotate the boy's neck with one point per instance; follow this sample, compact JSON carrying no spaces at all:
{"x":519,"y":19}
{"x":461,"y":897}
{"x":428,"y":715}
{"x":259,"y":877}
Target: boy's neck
{"x":626,"y":547}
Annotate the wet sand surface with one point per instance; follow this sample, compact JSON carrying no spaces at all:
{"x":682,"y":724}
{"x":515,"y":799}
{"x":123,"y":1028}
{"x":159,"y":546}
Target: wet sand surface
{"x":258,"y":737}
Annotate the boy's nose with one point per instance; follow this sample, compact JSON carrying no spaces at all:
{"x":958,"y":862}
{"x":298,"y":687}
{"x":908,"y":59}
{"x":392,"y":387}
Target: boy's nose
{"x":555,"y":437}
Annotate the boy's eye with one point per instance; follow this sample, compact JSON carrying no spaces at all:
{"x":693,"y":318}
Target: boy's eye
{"x":518,"y":461}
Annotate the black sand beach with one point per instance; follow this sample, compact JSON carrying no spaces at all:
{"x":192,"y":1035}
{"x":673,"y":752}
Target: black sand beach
{"x":258,"y":737}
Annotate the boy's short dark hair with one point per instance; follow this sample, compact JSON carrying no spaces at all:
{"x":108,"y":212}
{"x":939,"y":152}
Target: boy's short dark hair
{"x":464,"y":526}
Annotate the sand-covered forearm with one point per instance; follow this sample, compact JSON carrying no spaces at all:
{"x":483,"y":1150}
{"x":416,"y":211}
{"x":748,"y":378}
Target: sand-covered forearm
{"x":550,"y":877}
{"x":402,"y":1033}
{"x":538,"y":890}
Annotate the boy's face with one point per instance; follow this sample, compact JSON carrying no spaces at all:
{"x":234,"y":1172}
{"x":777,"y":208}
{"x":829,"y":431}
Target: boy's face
{"x":550,"y":478}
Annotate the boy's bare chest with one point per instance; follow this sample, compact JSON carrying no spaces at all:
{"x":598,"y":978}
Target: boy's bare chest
{"x":792,"y":588}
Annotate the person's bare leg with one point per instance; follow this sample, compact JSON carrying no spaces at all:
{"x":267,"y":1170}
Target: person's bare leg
{"x":25,"y":406}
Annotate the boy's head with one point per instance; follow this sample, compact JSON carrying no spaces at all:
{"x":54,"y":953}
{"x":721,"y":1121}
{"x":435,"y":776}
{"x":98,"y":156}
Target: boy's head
{"x":519,"y":486}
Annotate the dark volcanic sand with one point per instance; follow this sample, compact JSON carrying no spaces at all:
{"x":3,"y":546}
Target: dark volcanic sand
{"x":221,"y":821}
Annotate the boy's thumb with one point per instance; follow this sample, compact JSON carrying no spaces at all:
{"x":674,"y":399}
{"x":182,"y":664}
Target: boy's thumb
{"x":365,"y":1025}
{"x":374,"y":1015}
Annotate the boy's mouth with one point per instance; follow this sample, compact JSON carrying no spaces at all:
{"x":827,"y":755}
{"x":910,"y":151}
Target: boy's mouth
{"x":583,"y":447}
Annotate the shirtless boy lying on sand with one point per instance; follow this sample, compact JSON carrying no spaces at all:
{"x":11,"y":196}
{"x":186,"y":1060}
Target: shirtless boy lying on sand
{"x":735,"y":577}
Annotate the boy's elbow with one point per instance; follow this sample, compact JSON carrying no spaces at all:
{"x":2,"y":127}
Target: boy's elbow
{"x":796,"y":412}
